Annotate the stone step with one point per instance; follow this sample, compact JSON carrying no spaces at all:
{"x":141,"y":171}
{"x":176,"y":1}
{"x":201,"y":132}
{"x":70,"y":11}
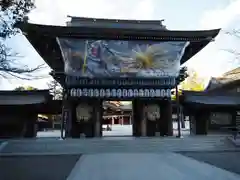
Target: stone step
{"x":99,"y":145}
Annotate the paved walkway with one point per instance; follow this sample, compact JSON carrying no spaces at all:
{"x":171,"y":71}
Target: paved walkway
{"x":118,"y":158}
{"x":143,"y":166}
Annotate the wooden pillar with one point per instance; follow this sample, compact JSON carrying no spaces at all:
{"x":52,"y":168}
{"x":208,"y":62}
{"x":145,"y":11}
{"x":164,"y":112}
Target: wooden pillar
{"x":160,"y":123}
{"x":112,"y":120}
{"x":237,"y":117}
{"x":201,"y":122}
{"x":67,"y":116}
{"x":76,"y":127}
{"x":192,"y":121}
{"x":89,"y":122}
{"x":136,"y":117}
{"x":97,"y":117}
{"x":29,"y":129}
{"x":160,"y":119}
{"x":166,"y":127}
{"x":143,"y":121}
{"x":182,"y":117}
{"x":169,"y":123}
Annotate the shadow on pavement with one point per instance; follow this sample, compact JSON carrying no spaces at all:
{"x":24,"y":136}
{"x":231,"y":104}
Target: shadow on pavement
{"x":41,"y":167}
{"x":229,"y":161}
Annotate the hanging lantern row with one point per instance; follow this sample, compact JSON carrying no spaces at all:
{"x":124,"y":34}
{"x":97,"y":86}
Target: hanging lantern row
{"x":75,"y":80}
{"x":120,"y":93}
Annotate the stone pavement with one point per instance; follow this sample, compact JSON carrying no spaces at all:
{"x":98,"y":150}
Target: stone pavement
{"x":114,"y":145}
{"x":225,"y":160}
{"x":142,"y":166}
{"x":235,"y":141}
{"x":118,"y":157}
{"x":41,"y":167}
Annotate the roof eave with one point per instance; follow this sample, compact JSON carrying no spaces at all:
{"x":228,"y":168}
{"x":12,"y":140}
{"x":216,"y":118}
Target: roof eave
{"x":202,"y":38}
{"x":117,"y":32}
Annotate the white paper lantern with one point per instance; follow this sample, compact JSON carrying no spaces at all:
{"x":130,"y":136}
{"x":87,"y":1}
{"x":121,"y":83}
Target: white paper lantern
{"x":146,"y":93}
{"x":130,"y":93}
{"x":125,"y":93}
{"x":90,"y":92}
{"x":108,"y":93}
{"x":152,"y":93}
{"x":114,"y":93}
{"x":102,"y":92}
{"x":158,"y":93}
{"x":96,"y":92}
{"x":79,"y":92}
{"x":85,"y":92}
{"x":119,"y":93}
{"x":141,"y":93}
{"x":163,"y":93}
{"x":135,"y":93}
{"x":168,"y":93}
{"x":83,"y":112}
{"x":152,"y":112}
{"x":72,"y":92}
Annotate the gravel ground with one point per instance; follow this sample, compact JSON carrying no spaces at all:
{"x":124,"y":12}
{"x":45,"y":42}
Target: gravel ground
{"x":226,"y":160}
{"x":47,"y":167}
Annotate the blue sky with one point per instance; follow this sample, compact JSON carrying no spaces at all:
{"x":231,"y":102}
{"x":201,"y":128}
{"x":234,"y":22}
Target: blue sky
{"x":180,"y":15}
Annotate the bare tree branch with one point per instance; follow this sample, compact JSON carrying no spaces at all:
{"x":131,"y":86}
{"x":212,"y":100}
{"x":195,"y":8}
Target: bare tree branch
{"x":234,"y":32}
{"x":11,"y":12}
{"x":234,"y":51}
{"x":55,"y":89}
{"x":10,"y":65}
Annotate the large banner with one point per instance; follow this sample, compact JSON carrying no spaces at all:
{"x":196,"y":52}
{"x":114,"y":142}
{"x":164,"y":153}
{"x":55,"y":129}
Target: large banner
{"x":115,"y":58}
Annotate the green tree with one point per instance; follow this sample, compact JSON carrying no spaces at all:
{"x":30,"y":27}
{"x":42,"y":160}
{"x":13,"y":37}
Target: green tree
{"x":193,"y":82}
{"x":26,"y":88}
{"x":189,"y":81}
{"x":20,"y":88}
{"x":12,"y":12}
{"x":183,"y":74}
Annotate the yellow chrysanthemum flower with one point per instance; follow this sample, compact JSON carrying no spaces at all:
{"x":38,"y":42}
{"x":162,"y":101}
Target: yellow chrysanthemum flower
{"x":145,"y":59}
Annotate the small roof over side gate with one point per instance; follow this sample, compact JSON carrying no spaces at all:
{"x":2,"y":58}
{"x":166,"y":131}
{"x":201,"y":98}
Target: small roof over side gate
{"x":10,"y":98}
{"x":210,"y":99}
{"x":38,"y":100}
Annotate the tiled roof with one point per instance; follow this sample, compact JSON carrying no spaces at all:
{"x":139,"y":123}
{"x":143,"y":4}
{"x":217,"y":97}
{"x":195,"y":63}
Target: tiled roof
{"x":24,"y":97}
{"x":226,"y":79}
{"x":205,"y":98}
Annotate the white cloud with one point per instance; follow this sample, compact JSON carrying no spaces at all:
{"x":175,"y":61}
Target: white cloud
{"x":55,"y":11}
{"x":220,"y":18}
{"x":212,"y":60}
{"x":144,"y":10}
